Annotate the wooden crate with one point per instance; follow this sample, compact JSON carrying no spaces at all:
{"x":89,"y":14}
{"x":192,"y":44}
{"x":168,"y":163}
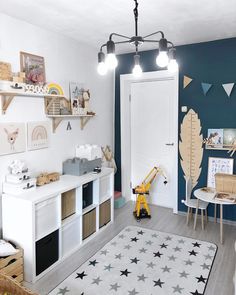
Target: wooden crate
{"x":104,"y":213}
{"x":89,"y":223}
{"x":225,"y":183}
{"x":68,"y":203}
{"x":5,"y":71}
{"x":13,"y":266}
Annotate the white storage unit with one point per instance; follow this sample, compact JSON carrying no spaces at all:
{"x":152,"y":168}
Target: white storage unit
{"x":33,"y":220}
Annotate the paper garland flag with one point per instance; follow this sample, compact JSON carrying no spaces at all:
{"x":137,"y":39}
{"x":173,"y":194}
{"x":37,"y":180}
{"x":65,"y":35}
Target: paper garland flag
{"x":228,"y":87}
{"x":206,"y":87}
{"x":187,"y":81}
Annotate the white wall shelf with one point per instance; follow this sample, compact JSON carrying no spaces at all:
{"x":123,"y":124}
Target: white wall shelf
{"x":42,"y":219}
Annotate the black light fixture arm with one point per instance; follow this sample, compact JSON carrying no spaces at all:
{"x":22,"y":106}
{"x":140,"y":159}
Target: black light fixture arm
{"x":155,"y":33}
{"x":118,"y":35}
{"x":172,"y":45}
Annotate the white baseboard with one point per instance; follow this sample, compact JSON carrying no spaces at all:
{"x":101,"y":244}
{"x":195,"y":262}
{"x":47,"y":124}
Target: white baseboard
{"x":229,"y":222}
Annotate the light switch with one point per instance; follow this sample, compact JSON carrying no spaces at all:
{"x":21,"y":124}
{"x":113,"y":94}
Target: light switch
{"x":184,"y":109}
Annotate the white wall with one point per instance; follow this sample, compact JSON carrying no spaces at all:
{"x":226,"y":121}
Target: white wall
{"x":65,"y":60}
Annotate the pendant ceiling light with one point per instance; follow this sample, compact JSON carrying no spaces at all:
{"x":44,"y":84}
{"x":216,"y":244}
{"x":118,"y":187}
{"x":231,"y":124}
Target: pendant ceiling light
{"x":166,"y":56}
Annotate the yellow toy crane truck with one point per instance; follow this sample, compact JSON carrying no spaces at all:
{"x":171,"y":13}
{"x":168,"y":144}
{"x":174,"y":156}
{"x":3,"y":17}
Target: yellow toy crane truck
{"x":142,"y":209}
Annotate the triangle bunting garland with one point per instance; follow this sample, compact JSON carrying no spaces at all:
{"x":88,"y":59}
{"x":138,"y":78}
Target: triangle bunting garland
{"x":187,"y":81}
{"x":228,"y":87}
{"x":206,"y":87}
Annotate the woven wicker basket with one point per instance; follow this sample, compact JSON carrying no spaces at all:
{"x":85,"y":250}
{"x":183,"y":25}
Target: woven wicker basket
{"x":10,"y":287}
{"x":12,"y":266}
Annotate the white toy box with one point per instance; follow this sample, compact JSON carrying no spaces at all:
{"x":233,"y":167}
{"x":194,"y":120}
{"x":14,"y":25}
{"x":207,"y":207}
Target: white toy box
{"x":17,"y":178}
{"x":19,"y":188}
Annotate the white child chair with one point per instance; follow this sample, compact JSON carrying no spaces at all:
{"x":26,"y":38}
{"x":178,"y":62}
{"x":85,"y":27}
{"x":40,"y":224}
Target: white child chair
{"x":192,"y":204}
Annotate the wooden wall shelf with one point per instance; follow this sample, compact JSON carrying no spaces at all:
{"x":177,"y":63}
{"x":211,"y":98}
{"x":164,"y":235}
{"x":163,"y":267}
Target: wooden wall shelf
{"x":57,"y":119}
{"x":8,"y":96}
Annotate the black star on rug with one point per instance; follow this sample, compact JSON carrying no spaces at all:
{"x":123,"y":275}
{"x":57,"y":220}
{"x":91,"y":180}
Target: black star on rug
{"x":158,"y":283}
{"x":134,"y":239}
{"x":196,"y":293}
{"x":94,"y":262}
{"x":163,"y":246}
{"x":81,"y":275}
{"x":157,"y":254}
{"x":140,"y":232}
{"x":196,"y":244}
{"x":192,"y":253}
{"x":134,"y":260}
{"x":201,"y":279}
{"x":125,"y":272}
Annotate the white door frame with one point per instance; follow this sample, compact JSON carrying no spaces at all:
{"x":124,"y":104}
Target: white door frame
{"x":125,"y":119}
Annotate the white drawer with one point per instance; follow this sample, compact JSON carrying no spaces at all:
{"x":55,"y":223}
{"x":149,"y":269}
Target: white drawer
{"x":70,"y":236}
{"x":105,"y":188}
{"x":47,"y":217}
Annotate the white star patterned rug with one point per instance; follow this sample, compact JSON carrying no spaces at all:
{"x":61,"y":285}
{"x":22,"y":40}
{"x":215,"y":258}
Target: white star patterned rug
{"x":140,"y":261}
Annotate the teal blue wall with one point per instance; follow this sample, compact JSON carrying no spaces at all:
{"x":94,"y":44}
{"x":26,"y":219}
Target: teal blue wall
{"x":213,"y":62}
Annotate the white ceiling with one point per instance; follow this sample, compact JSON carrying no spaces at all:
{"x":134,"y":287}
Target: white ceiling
{"x":91,"y":21}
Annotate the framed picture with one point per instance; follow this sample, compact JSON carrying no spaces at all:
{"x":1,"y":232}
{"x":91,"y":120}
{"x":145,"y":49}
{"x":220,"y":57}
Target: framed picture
{"x":12,"y":138}
{"x":218,"y":165}
{"x":38,"y":135}
{"x":229,"y":137}
{"x":34,"y":68}
{"x":215,"y":138}
{"x":76,"y":96}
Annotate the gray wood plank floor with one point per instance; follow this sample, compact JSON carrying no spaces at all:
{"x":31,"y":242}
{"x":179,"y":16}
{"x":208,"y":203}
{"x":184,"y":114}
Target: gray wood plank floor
{"x":221,"y":277}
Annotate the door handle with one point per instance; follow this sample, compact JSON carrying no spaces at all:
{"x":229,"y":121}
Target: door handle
{"x":170,"y":144}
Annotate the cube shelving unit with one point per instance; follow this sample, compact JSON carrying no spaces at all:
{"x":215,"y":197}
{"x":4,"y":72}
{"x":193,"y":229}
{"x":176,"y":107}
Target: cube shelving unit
{"x":50,"y":223}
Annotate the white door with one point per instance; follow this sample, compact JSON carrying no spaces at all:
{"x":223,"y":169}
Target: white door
{"x":153,"y":137}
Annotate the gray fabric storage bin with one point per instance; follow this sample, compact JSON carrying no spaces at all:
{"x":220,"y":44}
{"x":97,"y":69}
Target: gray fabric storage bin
{"x":78,"y":167}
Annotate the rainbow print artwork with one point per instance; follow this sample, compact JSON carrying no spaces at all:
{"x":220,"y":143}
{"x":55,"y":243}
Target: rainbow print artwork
{"x":38,"y":135}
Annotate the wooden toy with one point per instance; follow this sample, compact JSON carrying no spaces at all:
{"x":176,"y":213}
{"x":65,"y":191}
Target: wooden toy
{"x":18,"y":77}
{"x":190,"y":147}
{"x":86,"y":98}
{"x":54,"y":176}
{"x":45,"y":178}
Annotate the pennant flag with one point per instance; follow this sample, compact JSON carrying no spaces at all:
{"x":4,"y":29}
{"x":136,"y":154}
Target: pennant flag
{"x":228,"y":87}
{"x":187,"y":81}
{"x":206,"y":87}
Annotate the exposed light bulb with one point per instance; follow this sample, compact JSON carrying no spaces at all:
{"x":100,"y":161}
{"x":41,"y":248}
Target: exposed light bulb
{"x":137,"y":71}
{"x":102,"y":68}
{"x":111,"y":61}
{"x":162,"y":59}
{"x":173,"y":66}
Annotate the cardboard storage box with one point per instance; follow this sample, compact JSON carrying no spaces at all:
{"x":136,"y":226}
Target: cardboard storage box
{"x":225,"y":183}
{"x":68,"y":203}
{"x":104,"y":213}
{"x":89,"y":223}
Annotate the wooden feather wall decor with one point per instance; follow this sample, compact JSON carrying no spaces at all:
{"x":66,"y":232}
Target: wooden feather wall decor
{"x":190,"y":146}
